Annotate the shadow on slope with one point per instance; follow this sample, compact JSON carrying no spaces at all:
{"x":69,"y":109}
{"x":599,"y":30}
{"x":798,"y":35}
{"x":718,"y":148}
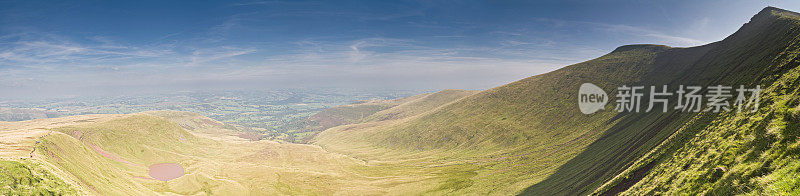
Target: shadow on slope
{"x":756,"y":54}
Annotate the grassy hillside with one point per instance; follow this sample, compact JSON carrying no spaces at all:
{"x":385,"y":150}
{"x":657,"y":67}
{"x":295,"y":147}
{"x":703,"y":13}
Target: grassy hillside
{"x":28,"y":178}
{"x":200,"y":125}
{"x":530,"y":132}
{"x":731,"y":153}
{"x":110,"y":155}
{"x":379,"y":110}
{"x":355,"y":113}
{"x":515,"y":135}
{"x":414,"y":107}
{"x":746,"y":153}
{"x":760,"y":52}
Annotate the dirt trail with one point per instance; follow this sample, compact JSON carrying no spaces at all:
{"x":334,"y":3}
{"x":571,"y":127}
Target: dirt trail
{"x":111,"y":156}
{"x":18,"y":139}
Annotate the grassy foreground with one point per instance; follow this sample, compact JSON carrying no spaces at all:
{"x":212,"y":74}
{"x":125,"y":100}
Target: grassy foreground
{"x":28,"y":178}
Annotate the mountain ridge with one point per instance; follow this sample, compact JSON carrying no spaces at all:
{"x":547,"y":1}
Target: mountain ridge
{"x":489,"y":123}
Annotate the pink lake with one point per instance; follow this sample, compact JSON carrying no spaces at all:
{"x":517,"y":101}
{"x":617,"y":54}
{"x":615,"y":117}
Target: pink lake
{"x":166,"y":171}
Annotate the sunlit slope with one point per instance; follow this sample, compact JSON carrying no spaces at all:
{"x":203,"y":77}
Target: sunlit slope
{"x":355,"y":113}
{"x":531,"y":132}
{"x":746,"y":153}
{"x":418,"y":106}
{"x":514,"y":135}
{"x":758,"y":53}
{"x":110,"y":155}
{"x":757,"y":153}
{"x":380,"y":110}
{"x":20,"y":177}
{"x":199,"y":125}
{"x":113,"y":157}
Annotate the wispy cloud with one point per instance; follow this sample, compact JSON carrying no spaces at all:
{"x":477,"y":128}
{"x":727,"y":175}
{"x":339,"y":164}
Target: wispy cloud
{"x":220,"y":32}
{"x":656,"y":37}
{"x":52,"y":60}
{"x":639,"y":31}
{"x":48,"y":52}
{"x":201,"y":56}
{"x":357,"y":52}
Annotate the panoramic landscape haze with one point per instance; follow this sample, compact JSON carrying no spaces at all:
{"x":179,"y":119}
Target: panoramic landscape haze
{"x":400,"y":98}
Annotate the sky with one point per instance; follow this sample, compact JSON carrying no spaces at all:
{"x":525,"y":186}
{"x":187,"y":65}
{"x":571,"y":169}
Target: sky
{"x":77,"y":48}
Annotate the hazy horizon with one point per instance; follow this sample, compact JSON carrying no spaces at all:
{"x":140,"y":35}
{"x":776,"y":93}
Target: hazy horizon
{"x":404,"y":97}
{"x":102,"y":48}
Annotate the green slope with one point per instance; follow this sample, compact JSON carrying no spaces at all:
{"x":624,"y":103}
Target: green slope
{"x":110,"y":155}
{"x":530,"y":132}
{"x":746,"y":153}
{"x":758,"y":53}
{"x":133,"y":143}
{"x":28,"y":178}
{"x":756,"y":153}
{"x":379,"y":110}
{"x":419,"y":105}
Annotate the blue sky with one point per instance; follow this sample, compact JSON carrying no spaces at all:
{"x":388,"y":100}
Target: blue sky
{"x":59,"y":49}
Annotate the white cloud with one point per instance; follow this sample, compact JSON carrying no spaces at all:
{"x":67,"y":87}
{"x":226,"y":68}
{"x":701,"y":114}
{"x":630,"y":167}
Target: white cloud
{"x":206,"y":55}
{"x":374,"y":61}
{"x":653,"y":36}
{"x":44,"y":52}
{"x":638,"y":31}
